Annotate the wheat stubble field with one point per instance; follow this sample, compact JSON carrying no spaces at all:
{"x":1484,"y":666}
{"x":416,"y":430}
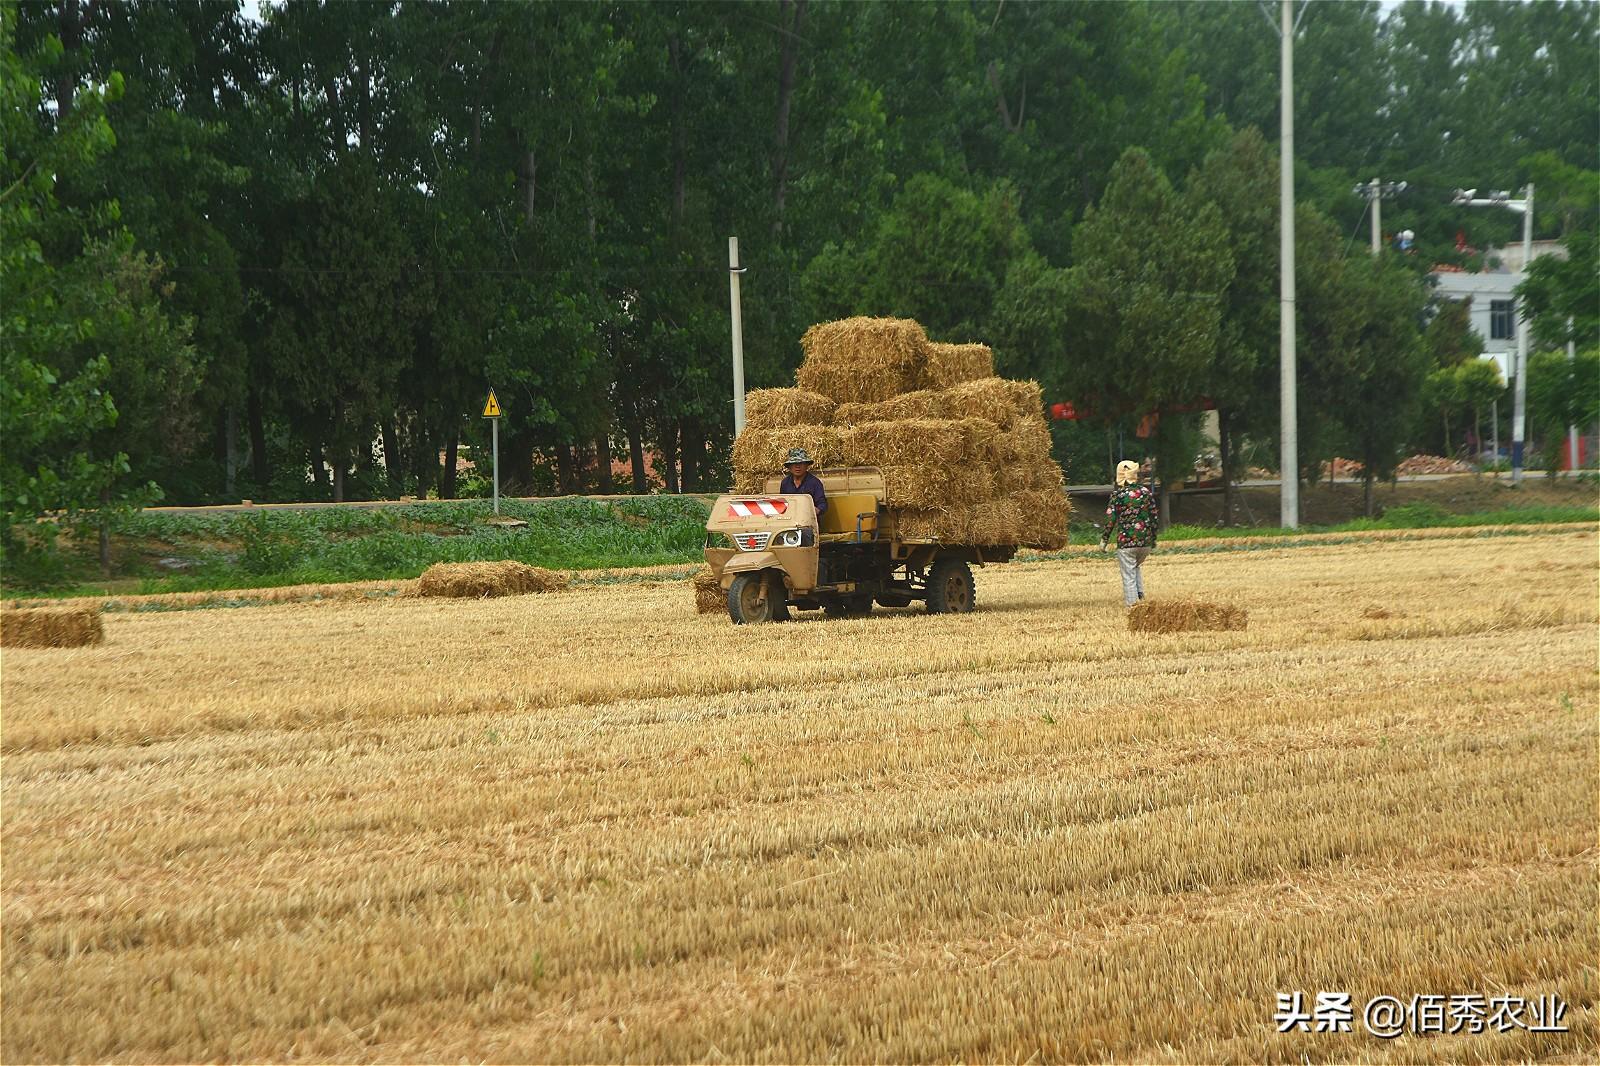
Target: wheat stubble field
{"x":594,"y":826}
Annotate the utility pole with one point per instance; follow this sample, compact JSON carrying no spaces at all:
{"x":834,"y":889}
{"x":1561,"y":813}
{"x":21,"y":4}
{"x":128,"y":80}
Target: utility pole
{"x":1572,"y":431}
{"x":1519,"y":394}
{"x":1376,"y":192}
{"x":1519,"y":400}
{"x":1288,"y":458}
{"x":734,"y":270}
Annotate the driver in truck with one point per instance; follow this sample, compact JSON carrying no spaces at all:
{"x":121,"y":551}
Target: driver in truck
{"x":800,"y":481}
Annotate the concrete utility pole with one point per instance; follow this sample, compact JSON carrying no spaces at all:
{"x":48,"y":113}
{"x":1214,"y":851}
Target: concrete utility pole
{"x":1572,"y":431}
{"x":1519,"y":395}
{"x":1519,"y":400}
{"x":1376,"y":192}
{"x":734,"y":270}
{"x":1288,"y":458}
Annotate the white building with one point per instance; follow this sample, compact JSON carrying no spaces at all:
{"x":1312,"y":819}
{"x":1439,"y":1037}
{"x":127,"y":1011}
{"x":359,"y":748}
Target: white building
{"x":1494,"y":298}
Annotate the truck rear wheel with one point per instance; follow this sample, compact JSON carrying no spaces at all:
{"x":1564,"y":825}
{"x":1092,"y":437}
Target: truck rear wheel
{"x":747,"y":606}
{"x":950,"y":587}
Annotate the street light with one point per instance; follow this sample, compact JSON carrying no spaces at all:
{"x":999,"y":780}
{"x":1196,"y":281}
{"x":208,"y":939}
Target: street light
{"x":1519,"y":399}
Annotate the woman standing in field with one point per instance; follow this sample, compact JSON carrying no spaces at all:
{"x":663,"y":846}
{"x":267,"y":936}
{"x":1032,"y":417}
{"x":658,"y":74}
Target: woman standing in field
{"x":1131,"y":513}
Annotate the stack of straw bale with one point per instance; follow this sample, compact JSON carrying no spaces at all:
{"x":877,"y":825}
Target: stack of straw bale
{"x":481,"y":580}
{"x":965,"y":454}
{"x":48,"y":627}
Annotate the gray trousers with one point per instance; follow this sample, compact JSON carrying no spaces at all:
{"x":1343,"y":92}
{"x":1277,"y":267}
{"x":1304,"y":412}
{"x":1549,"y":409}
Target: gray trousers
{"x":1129,"y":560}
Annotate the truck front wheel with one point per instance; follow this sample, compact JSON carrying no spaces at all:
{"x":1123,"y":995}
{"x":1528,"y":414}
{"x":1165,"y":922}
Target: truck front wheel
{"x":747,"y":606}
{"x":950,"y":587}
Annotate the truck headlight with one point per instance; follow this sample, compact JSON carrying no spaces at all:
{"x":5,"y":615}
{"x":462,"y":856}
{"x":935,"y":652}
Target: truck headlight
{"x":790,"y":538}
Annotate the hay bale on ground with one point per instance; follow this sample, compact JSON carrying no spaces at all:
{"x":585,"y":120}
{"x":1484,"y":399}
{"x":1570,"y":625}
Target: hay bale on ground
{"x":709,"y":598}
{"x":50,"y":627}
{"x":776,"y":408}
{"x":951,"y":364}
{"x":1175,"y":616}
{"x":481,"y":580}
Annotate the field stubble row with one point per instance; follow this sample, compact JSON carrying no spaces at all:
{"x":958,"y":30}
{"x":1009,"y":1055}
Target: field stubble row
{"x":596,"y":826}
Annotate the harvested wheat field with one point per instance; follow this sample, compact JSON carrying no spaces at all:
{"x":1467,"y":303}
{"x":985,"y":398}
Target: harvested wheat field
{"x":599,"y":826}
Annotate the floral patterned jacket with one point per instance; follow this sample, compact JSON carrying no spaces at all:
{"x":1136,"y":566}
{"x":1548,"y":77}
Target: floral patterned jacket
{"x":1132,"y":512}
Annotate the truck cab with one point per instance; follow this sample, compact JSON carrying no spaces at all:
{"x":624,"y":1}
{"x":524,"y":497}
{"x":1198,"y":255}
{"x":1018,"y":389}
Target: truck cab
{"x":771,"y":552}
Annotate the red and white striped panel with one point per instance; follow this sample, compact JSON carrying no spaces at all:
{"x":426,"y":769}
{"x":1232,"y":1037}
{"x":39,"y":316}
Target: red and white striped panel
{"x":757,"y":508}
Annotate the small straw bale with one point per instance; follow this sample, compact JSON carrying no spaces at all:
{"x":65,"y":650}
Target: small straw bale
{"x":948,"y":524}
{"x":708,"y":595}
{"x":863,"y":341}
{"x":864,"y":360}
{"x":1176,"y":616}
{"x":48,"y":627}
{"x":1026,"y":442}
{"x":1027,"y":399}
{"x":1044,"y":515}
{"x":776,"y":408}
{"x":923,"y":403}
{"x":930,"y":488}
{"x":905,"y":442}
{"x":982,"y":440}
{"x":759,"y":453}
{"x":1027,"y":476}
{"x":991,"y":399}
{"x":998,"y":521}
{"x":481,"y":580}
{"x":856,"y":384}
{"x":951,"y":364}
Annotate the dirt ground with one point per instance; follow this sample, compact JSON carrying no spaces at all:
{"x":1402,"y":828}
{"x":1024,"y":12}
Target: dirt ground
{"x":592,"y":825}
{"x":1327,"y":505}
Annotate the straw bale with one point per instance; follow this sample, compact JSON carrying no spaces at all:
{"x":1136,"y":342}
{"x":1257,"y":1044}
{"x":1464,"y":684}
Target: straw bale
{"x":709,"y":598}
{"x":857,"y":384}
{"x":1027,"y":476}
{"x":1026,"y":442}
{"x":1044,"y":516}
{"x":759,"y":453}
{"x":923,"y":403}
{"x":1027,"y":398}
{"x":905,"y":442}
{"x":776,"y":408}
{"x":991,"y":399}
{"x":951,"y":364}
{"x":982,"y":441}
{"x":997,"y":521}
{"x":948,"y":524}
{"x":861,"y":341}
{"x":48,"y":627}
{"x":481,"y":580}
{"x":1174,"y":616}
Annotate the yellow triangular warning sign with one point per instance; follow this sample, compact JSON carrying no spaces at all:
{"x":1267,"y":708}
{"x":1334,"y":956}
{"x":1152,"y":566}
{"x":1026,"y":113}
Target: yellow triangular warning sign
{"x":491,"y":406}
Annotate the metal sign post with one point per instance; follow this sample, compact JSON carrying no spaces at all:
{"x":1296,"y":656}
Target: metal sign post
{"x":491,"y":411}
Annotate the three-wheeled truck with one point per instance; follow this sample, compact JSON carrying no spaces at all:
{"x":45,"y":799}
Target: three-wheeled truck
{"x":770,"y":553}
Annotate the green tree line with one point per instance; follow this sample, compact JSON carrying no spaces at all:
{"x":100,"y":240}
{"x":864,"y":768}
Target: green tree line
{"x":283,"y":254}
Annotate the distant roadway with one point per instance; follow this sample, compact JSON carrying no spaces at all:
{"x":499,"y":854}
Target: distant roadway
{"x":1076,"y":490}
